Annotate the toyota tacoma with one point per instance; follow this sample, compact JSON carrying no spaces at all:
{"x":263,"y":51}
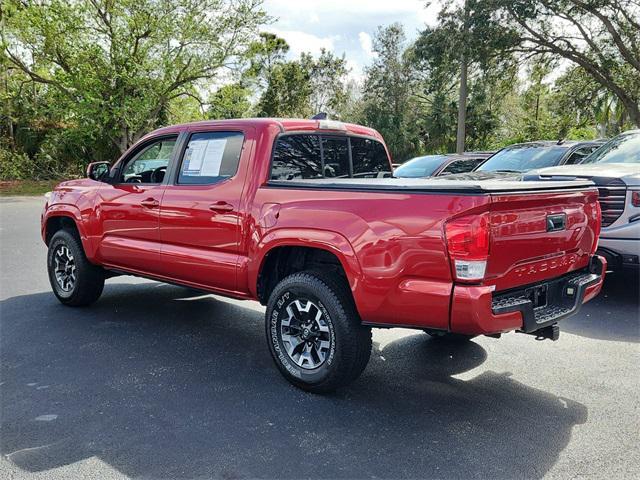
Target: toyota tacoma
{"x":302,"y":215}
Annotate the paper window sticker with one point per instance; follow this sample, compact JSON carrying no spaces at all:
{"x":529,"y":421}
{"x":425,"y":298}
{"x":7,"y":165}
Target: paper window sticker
{"x":212,"y":157}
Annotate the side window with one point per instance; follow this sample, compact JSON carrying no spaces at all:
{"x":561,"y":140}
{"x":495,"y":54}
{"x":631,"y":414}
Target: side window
{"x":210,"y":157}
{"x":580,"y":154}
{"x":460,"y":166}
{"x":297,"y":157}
{"x":335,"y":155}
{"x":369,"y":159}
{"x":150,"y":164}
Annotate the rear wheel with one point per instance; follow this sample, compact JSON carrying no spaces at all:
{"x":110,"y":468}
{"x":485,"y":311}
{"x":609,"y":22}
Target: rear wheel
{"x":314,"y":332}
{"x":75,"y":281}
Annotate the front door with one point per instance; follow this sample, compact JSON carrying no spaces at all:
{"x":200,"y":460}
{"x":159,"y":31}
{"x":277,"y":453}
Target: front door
{"x":200,"y":215}
{"x":129,"y":209}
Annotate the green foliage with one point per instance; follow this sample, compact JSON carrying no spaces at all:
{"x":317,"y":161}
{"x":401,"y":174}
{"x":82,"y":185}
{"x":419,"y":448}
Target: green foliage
{"x":600,"y":36}
{"x":82,"y":80}
{"x":106,"y":72}
{"x":230,"y":101}
{"x":14,"y":165}
{"x":387,"y":97}
{"x":327,"y":77}
{"x":301,"y":88}
{"x":116,"y":65}
{"x":288,"y":92}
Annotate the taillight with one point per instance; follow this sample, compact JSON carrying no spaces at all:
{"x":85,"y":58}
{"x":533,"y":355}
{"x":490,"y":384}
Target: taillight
{"x":596,"y":229}
{"x":635,"y":198}
{"x":468,"y":246}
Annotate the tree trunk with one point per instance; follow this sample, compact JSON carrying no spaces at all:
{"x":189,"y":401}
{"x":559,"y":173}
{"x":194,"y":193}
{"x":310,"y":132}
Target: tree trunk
{"x":634,"y":112}
{"x":462,"y":100}
{"x":462,"y":107}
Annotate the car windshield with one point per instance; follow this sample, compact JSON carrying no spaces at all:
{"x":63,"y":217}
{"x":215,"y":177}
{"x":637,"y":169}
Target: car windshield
{"x":520,"y":158}
{"x":624,"y":148}
{"x":419,"y":167}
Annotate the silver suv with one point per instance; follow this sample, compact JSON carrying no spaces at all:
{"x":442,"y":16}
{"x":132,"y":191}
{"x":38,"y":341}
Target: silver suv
{"x":615,"y":169}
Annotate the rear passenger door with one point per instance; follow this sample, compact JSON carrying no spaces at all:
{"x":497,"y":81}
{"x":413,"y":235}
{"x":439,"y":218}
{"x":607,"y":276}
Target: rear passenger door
{"x":201,"y":209}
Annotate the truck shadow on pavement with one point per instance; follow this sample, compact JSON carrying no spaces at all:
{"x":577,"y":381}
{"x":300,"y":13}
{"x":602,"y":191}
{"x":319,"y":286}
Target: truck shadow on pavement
{"x":614,"y":314}
{"x":156,"y":384}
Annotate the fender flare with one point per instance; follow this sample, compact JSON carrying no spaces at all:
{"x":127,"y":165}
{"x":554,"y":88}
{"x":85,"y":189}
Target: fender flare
{"x":330,"y":241}
{"x":72,"y":212}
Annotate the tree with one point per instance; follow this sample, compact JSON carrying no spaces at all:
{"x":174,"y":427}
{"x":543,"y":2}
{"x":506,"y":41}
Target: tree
{"x":230,"y":101}
{"x":116,"y":65}
{"x":328,"y":76}
{"x":288,"y":92}
{"x":263,"y":56}
{"x":600,"y":36}
{"x":462,"y":43}
{"x":387,"y":94}
{"x":304,"y":87}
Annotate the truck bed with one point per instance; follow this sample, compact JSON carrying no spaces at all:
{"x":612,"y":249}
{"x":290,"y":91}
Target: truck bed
{"x":427,"y":185}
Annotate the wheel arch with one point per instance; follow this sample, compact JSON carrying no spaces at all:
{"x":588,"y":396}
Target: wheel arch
{"x":60,"y":217}
{"x":286,"y":252}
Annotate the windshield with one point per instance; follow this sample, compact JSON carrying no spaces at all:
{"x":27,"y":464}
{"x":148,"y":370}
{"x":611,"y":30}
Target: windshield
{"x":520,"y":158}
{"x":624,"y":148}
{"x":419,"y":167}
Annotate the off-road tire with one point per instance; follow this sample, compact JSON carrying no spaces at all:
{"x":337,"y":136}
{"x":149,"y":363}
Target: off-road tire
{"x":89,"y":278}
{"x":350,"y":346}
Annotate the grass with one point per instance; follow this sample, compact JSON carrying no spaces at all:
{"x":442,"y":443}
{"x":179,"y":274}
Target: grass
{"x":10,"y":188}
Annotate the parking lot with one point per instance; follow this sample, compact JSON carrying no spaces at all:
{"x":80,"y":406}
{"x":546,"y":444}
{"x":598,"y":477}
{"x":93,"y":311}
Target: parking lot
{"x":157,"y":381}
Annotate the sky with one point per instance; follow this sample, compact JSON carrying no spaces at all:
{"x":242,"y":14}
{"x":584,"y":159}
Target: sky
{"x":344,"y":26}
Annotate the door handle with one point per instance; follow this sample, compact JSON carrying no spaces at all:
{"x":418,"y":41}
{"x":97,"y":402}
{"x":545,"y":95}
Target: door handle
{"x":221,"y":206}
{"x":150,"y":203}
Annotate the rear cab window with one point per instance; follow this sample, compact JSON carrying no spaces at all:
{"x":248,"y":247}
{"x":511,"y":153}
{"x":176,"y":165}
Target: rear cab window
{"x":313,"y":156}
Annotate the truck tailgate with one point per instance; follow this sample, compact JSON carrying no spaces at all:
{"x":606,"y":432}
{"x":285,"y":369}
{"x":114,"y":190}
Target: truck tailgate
{"x":538,"y":236}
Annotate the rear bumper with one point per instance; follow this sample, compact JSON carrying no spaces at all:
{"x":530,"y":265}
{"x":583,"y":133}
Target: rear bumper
{"x":478,"y":310}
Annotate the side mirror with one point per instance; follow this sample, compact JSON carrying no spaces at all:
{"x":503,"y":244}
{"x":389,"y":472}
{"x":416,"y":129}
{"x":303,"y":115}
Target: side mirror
{"x":97,"y":170}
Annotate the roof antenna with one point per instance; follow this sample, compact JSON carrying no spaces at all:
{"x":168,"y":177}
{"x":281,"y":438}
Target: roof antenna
{"x":320,"y":116}
{"x":560,"y":141}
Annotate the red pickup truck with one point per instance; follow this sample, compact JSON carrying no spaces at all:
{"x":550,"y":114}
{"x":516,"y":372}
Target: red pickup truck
{"x":303,"y":216}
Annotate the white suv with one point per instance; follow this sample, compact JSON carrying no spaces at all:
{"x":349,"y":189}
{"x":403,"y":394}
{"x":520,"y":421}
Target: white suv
{"x":615,"y":169}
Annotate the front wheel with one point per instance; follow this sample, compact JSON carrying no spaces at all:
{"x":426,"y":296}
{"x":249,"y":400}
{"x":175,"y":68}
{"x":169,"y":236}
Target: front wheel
{"x":75,"y":281}
{"x":314,"y":332}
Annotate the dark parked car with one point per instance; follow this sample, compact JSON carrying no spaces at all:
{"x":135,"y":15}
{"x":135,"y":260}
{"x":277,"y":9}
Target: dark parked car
{"x":438,"y":165}
{"x":523,"y":157}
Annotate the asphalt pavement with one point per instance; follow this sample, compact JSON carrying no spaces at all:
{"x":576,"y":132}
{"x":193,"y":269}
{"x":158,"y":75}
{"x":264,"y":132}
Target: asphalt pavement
{"x":158,"y":381}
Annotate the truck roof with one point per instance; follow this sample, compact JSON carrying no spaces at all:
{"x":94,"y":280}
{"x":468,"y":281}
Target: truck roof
{"x":283,"y":124}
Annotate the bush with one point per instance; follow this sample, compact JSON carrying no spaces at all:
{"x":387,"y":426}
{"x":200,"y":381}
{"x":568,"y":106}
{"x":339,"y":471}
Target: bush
{"x":14,"y":165}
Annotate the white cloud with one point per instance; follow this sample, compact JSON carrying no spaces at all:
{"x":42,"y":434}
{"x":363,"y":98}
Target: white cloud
{"x":397,"y":8}
{"x":367,"y":44}
{"x":300,"y":42}
{"x":346,"y":26}
{"x":356,"y":72}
